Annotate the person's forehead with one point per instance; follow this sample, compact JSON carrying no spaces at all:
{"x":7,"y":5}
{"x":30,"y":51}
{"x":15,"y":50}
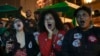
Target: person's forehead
{"x":48,"y":16}
{"x":28,"y":11}
{"x":82,"y":11}
{"x":17,"y":21}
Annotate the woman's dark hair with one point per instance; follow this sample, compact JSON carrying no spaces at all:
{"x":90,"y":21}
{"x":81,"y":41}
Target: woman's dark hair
{"x":87,"y":9}
{"x":58,"y":22}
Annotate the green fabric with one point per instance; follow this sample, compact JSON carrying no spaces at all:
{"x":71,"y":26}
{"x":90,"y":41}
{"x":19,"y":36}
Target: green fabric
{"x":61,"y":7}
{"x":69,"y":12}
{"x":74,"y":22}
{"x":7,"y":10}
{"x":2,"y":30}
{"x":58,"y":7}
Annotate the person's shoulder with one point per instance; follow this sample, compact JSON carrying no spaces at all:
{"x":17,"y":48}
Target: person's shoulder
{"x":96,"y":29}
{"x":74,"y":29}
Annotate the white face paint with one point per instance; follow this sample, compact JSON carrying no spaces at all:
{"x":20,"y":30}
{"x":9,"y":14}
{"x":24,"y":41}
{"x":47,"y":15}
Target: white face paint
{"x":49,"y":21}
{"x":18,"y":25}
{"x":76,"y":43}
{"x":83,"y":19}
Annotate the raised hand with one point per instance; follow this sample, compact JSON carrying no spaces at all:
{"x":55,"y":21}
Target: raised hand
{"x":50,"y":32}
{"x":9,"y":46}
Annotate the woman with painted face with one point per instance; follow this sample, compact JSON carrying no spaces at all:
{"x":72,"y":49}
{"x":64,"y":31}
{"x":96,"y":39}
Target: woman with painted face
{"x":51,"y":34}
{"x":83,"y":40}
{"x":23,"y":43}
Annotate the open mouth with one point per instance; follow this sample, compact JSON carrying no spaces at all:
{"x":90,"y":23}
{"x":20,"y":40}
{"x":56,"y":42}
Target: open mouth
{"x":82,"y":22}
{"x":18,"y":25}
{"x":11,"y":42}
{"x":49,"y":25}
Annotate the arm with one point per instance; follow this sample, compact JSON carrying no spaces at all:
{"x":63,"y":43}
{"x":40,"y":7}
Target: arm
{"x":8,"y":49}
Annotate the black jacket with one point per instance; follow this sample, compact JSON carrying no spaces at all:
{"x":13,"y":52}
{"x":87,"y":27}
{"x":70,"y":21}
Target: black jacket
{"x":88,"y":43}
{"x":31,"y":51}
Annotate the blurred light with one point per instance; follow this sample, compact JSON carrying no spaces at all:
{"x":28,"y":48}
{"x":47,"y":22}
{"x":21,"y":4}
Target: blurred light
{"x":64,"y":19}
{"x":88,"y":1}
{"x":72,"y":5}
{"x":92,"y":12}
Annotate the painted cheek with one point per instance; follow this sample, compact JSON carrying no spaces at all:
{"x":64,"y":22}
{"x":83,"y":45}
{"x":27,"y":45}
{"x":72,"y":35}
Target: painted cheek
{"x":15,"y":26}
{"x":21,"y":25}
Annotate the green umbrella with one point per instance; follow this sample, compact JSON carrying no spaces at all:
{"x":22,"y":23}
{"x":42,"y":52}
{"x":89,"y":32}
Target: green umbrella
{"x":61,"y":7}
{"x":7,"y":10}
{"x":57,"y":7}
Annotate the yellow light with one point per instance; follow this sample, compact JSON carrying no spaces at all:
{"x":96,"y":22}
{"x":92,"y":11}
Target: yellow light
{"x":88,"y":1}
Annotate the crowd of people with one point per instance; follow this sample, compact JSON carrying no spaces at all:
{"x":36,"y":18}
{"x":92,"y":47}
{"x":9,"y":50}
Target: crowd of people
{"x":46,"y":35}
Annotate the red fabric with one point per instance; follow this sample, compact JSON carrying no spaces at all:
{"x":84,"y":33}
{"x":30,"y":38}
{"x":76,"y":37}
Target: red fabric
{"x":20,"y":52}
{"x":45,"y":45}
{"x":56,"y":38}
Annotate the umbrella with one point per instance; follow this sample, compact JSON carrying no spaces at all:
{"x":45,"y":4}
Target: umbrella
{"x":7,"y":10}
{"x":57,"y":7}
{"x":64,"y":7}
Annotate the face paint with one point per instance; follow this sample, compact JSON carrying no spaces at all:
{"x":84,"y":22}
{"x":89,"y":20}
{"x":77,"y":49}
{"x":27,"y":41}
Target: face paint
{"x":92,"y":38}
{"x":76,"y":43}
{"x":59,"y":42}
{"x":50,"y":22}
{"x":83,"y":19}
{"x":60,"y":36}
{"x":18,"y":25}
{"x":77,"y":36}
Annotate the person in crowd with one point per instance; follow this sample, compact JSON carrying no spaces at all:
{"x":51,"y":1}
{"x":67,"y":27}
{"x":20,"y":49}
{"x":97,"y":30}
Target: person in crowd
{"x":10,"y":19}
{"x":1,"y":41}
{"x":2,"y":29}
{"x":28,"y":19}
{"x":83,"y":40}
{"x":37,"y":15}
{"x":9,"y":28}
{"x":3,"y":35}
{"x":36,"y":25}
{"x":21,"y":42}
{"x":32,"y":26}
{"x":28,"y":14}
{"x":51,"y":34}
{"x":36,"y":20}
{"x":68,"y":26}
